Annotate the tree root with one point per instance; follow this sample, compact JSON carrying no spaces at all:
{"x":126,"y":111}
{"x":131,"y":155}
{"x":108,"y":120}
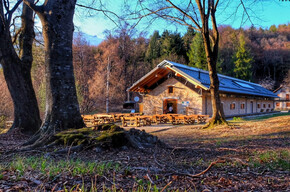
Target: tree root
{"x":215,"y":122}
{"x":201,"y":173}
{"x":104,"y":136}
{"x":32,"y":140}
{"x":207,"y":169}
{"x":39,"y":141}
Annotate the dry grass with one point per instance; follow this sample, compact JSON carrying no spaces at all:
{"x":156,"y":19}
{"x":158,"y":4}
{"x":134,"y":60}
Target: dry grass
{"x":237,"y":130}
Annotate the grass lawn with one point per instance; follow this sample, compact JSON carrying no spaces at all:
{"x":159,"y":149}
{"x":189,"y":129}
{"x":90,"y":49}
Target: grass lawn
{"x":254,"y":155}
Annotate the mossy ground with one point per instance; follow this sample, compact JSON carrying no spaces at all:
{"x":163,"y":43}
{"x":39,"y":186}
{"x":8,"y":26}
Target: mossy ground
{"x":108,"y":134}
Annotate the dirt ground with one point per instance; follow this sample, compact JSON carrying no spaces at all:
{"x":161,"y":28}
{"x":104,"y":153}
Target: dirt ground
{"x":238,"y":131}
{"x":254,"y":155}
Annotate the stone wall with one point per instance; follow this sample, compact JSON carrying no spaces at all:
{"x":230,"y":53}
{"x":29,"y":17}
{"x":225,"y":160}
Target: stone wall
{"x":250,"y":105}
{"x":153,"y":102}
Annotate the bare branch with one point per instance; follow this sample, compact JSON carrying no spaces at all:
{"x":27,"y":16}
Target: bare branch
{"x":216,"y":4}
{"x":34,"y":7}
{"x":103,"y":11}
{"x":233,"y":15}
{"x":245,"y":10}
{"x":10,"y":13}
{"x":178,"y":20}
{"x":213,"y":20}
{"x":200,"y":11}
{"x":16,"y":35}
{"x":151,"y":12}
{"x":15,"y":6}
{"x":6,"y":5}
{"x":188,"y":16}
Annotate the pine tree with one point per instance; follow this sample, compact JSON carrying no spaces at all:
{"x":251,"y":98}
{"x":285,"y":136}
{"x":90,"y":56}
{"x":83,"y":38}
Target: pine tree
{"x":153,"y":50}
{"x":273,"y":28}
{"x":243,"y":61}
{"x":196,"y":54}
{"x":172,"y":47}
{"x":188,"y":38}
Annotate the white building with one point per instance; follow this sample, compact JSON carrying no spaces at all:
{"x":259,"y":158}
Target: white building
{"x":283,"y":102}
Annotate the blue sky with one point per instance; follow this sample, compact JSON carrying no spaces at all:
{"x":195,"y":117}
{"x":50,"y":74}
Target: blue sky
{"x":263,"y":13}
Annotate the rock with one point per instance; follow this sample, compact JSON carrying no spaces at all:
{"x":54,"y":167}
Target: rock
{"x":98,"y":149}
{"x":124,"y":148}
{"x":37,"y":182}
{"x":147,"y":145}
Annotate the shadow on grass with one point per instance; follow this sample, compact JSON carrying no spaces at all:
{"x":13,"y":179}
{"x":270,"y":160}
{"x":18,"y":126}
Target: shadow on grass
{"x":211,"y":147}
{"x":161,"y":130}
{"x":246,"y":148}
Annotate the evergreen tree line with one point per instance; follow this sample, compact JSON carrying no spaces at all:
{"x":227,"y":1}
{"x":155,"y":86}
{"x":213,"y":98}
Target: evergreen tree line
{"x":121,"y":59}
{"x":249,"y":54}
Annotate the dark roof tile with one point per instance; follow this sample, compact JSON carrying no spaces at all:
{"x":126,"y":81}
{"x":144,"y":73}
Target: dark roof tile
{"x":227,"y":84}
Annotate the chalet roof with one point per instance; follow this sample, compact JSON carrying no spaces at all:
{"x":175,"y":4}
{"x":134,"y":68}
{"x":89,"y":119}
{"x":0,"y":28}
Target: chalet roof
{"x":200,"y":78}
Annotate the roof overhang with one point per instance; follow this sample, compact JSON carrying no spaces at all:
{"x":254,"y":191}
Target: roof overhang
{"x":160,"y":71}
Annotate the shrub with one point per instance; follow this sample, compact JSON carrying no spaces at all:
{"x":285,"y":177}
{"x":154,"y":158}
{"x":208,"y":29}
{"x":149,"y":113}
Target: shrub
{"x":237,"y":119}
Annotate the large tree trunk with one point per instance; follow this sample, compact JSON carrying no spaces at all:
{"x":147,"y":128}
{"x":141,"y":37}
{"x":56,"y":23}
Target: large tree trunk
{"x":62,"y":108}
{"x":211,"y":50}
{"x":17,"y":73}
{"x":217,"y":111}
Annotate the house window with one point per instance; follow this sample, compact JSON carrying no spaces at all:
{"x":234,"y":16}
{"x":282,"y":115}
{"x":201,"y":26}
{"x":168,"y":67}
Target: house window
{"x":264,"y":105}
{"x":277,"y":104}
{"x":287,"y":96}
{"x":287,"y":104}
{"x":243,"y":106}
{"x":258,"y":106}
{"x":269,"y":105}
{"x":232,"y":106}
{"x":170,"y":89}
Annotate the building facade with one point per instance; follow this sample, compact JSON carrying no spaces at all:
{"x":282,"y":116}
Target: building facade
{"x":185,"y":90}
{"x":283,"y":102}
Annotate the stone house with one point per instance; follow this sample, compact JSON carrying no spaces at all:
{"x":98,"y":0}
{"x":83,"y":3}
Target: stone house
{"x":283,"y":102}
{"x":185,"y":89}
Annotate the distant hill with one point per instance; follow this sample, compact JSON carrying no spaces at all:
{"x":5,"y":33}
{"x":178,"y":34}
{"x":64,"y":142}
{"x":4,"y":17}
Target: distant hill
{"x":91,"y":39}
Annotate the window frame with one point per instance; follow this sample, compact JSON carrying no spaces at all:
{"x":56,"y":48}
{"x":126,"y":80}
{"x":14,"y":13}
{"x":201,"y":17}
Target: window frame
{"x":170,"y":89}
{"x":242,"y":106}
{"x":233,"y":106}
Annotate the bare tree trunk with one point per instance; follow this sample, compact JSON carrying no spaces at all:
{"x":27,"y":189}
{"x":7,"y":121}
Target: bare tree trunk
{"x":17,"y":72}
{"x":62,"y":108}
{"x":211,"y":50}
{"x":217,"y":111}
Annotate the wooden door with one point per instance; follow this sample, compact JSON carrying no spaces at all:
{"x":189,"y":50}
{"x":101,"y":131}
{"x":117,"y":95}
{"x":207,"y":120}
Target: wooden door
{"x":167,"y":103}
{"x":140,"y":107}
